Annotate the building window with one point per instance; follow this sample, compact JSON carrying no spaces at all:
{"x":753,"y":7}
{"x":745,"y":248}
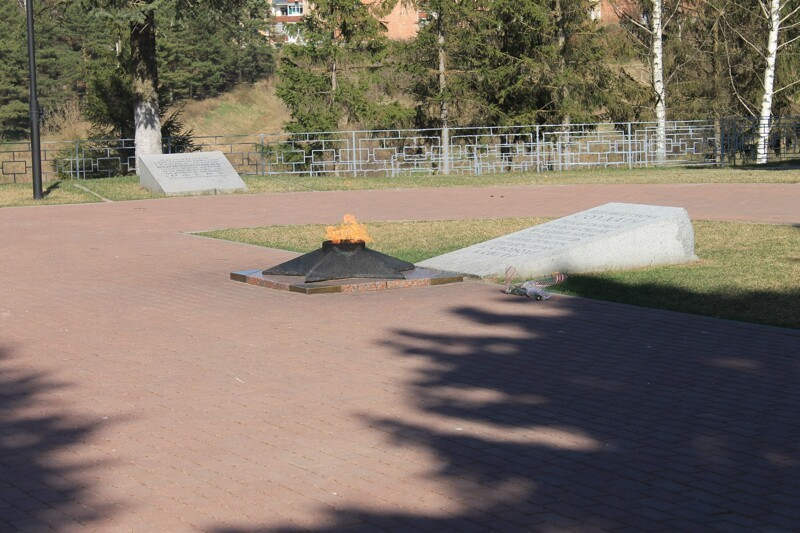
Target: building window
{"x":296,"y":9}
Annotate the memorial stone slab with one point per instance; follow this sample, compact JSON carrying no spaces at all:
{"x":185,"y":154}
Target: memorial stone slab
{"x":609,"y":237}
{"x":192,"y":173}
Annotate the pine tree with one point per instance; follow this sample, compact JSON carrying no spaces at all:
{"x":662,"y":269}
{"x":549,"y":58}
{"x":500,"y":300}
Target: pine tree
{"x":13,"y":72}
{"x":515,"y":62}
{"x":206,"y":53}
{"x":443,"y":60}
{"x":62,"y":43}
{"x":549,"y":64}
{"x":331,"y":78}
{"x":137,"y":20}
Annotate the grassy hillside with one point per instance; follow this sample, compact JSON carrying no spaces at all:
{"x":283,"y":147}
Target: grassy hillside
{"x":246,"y":109}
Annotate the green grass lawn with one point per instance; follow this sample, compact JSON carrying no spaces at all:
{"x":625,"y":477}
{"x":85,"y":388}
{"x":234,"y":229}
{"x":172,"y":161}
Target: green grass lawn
{"x":119,"y":188}
{"x":575,"y":177}
{"x":55,"y":193}
{"x":128,"y":188}
{"x":746,"y":272}
{"x":410,"y":241}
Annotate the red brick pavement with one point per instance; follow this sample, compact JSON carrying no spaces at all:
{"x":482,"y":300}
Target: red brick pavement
{"x":143,"y":390}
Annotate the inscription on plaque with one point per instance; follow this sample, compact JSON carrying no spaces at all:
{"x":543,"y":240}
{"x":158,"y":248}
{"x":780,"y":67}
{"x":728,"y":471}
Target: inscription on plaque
{"x":609,"y":236}
{"x":193,"y":173}
{"x":201,"y":168}
{"x":560,"y":233}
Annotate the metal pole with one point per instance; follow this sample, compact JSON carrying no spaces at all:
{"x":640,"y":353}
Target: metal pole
{"x":36,"y":152}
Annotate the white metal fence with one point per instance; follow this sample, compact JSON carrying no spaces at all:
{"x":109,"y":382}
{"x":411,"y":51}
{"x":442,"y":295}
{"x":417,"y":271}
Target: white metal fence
{"x":482,"y":150}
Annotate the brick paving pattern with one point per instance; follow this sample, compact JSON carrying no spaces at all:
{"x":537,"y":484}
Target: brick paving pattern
{"x":142,"y":390}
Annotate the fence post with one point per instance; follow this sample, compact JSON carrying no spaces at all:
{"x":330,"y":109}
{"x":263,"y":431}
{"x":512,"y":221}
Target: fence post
{"x":262,"y":159}
{"x":76,"y":167}
{"x":354,"y":152}
{"x":445,"y":150}
{"x":558,"y":152}
{"x":630,"y":146}
{"x":475,"y":160}
{"x":310,"y":158}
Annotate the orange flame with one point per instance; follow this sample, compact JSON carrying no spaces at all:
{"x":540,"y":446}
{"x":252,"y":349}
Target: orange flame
{"x":349,"y":231}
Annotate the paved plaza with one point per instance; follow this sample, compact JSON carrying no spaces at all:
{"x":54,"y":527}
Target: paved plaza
{"x":143,"y":390}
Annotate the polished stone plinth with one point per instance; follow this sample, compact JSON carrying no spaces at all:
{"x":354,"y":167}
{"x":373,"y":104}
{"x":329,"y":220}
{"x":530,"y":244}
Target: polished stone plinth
{"x":419,"y":277}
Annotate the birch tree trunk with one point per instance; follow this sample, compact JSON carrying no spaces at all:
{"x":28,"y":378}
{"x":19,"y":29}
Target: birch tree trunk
{"x":658,"y":82}
{"x":718,"y":69}
{"x":147,"y":118}
{"x":769,"y":82}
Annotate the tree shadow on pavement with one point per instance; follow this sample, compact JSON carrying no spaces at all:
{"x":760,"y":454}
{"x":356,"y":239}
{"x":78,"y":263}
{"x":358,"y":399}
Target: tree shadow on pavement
{"x":601,"y":417}
{"x":43,"y":485}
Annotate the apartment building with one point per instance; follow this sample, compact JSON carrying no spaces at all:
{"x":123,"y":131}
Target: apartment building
{"x":401,"y":24}
{"x":285,"y":13}
{"x":605,"y":11}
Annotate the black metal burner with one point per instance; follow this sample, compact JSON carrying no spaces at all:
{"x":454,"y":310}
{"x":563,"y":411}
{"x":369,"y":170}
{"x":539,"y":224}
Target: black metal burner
{"x":341,"y":261}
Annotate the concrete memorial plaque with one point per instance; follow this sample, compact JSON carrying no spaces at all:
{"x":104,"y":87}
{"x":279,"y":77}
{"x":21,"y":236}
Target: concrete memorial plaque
{"x":609,"y":237}
{"x":192,"y":173}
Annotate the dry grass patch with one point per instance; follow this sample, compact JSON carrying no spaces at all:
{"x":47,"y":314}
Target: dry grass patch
{"x":244,"y":110}
{"x":65,"y":122}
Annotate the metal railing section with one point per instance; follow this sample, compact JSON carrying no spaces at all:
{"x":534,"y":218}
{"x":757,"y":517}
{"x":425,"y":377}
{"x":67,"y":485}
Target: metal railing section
{"x":472,"y":151}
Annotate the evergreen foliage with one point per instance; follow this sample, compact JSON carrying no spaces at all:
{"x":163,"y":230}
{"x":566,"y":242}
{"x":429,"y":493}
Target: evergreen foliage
{"x":66,"y":44}
{"x":548,"y":64}
{"x":137,"y":20}
{"x":83,"y":54}
{"x":206,"y":53}
{"x":13,"y":72}
{"x":463,"y":29}
{"x":109,"y":103}
{"x":331,"y":78}
{"x":503,"y":62}
{"x":517,"y":62}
